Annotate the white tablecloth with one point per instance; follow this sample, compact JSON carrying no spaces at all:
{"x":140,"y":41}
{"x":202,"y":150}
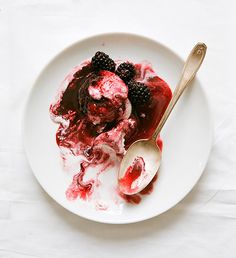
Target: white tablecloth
{"x":31,"y":223}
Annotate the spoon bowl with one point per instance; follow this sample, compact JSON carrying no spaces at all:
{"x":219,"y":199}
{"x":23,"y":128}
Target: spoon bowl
{"x":147,"y":150}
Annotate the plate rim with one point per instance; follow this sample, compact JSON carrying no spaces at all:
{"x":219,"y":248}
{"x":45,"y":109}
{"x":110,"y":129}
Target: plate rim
{"x":65,"y":49}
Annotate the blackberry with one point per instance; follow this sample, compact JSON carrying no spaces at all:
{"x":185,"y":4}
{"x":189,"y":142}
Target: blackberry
{"x":101,"y":61}
{"x":139,"y":93}
{"x":126,"y":71}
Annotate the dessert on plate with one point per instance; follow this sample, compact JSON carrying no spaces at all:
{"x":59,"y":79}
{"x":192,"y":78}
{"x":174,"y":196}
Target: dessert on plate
{"x":102,"y":107}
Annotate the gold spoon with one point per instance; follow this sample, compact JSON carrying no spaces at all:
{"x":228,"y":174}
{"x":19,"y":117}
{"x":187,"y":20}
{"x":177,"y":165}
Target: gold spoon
{"x":147,"y":148}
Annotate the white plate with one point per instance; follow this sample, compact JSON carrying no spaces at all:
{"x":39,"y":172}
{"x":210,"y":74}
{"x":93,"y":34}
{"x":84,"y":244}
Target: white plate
{"x":187,"y":134}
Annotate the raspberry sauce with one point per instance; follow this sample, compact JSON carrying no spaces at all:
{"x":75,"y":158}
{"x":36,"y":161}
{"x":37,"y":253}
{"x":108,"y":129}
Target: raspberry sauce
{"x":132,"y":173}
{"x":99,"y":124}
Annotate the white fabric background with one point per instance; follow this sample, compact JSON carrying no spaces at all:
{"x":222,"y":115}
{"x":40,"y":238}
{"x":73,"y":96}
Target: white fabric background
{"x":31,"y":223}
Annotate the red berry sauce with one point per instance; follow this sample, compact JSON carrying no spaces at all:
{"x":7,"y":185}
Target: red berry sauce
{"x":102,"y":127}
{"x":132,"y":173}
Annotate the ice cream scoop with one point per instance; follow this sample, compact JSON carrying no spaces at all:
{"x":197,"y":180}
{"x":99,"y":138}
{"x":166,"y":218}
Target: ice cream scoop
{"x":147,"y":149}
{"x":108,"y":98}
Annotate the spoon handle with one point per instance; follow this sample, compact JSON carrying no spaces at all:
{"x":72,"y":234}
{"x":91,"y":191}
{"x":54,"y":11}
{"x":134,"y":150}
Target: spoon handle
{"x":190,"y":69}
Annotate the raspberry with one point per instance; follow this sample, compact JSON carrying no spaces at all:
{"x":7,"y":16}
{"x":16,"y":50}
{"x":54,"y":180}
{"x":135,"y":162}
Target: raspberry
{"x":101,"y":61}
{"x":139,"y":93}
{"x":126,"y":71}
